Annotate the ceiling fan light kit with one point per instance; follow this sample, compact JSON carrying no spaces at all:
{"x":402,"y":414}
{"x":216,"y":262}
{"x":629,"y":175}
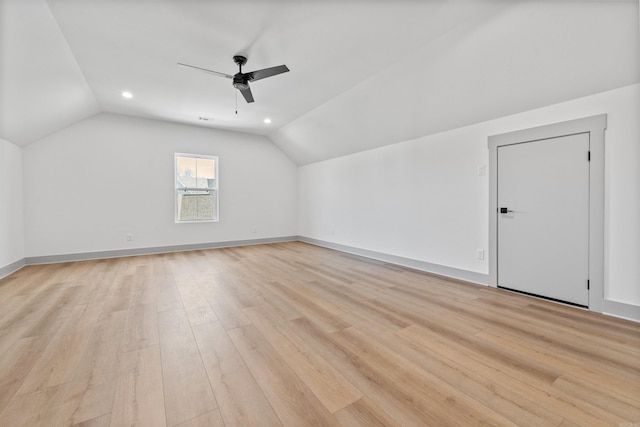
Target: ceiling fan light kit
{"x":241,"y":80}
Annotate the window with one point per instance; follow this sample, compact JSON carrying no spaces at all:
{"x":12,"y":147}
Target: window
{"x":196,"y":188}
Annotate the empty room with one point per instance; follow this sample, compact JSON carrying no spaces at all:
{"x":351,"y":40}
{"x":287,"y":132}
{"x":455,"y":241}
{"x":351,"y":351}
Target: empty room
{"x":319,"y":213}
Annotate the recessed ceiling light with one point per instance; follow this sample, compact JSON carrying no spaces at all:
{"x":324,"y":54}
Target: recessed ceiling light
{"x":127,"y":95}
{"x":267,"y":120}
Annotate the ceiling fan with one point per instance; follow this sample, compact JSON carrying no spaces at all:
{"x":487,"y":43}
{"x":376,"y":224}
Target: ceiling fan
{"x":241,"y":80}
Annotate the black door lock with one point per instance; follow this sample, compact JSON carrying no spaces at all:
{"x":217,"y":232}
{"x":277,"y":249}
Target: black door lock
{"x":505,"y":210}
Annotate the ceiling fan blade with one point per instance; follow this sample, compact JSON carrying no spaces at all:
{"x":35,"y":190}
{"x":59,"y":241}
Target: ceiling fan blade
{"x":266,"y":72}
{"x":248,"y":96}
{"x":215,"y":73}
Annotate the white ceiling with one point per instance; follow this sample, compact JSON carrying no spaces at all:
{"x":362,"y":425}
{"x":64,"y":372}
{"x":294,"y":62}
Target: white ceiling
{"x":363,"y":73}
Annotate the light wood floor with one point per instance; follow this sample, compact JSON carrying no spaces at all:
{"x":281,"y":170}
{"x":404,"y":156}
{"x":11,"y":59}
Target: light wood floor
{"x":292,"y":334}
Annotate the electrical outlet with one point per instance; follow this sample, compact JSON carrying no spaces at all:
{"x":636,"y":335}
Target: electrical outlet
{"x":482,"y":170}
{"x":129,"y":237}
{"x":254,"y":229}
{"x":479,"y":253}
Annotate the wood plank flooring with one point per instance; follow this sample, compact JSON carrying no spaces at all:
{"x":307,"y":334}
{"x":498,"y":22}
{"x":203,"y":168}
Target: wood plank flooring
{"x":296,"y":335}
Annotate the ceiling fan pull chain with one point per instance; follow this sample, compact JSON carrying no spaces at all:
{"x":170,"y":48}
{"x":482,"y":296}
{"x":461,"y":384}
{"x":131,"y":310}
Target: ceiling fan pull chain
{"x":236,"y":102}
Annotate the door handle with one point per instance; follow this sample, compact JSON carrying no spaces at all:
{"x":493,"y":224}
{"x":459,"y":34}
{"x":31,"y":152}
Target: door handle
{"x":505,"y":210}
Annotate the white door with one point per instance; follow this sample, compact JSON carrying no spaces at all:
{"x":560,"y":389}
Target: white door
{"x":543,"y":239}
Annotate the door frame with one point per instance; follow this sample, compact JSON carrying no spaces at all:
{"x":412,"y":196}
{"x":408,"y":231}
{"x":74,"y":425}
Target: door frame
{"x":595,"y":127}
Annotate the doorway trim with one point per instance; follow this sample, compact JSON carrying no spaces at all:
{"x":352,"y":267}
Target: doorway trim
{"x":595,"y":127}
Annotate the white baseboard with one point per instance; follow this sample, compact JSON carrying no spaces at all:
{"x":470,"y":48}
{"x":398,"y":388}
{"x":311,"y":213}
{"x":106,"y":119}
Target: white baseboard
{"x":12,"y":268}
{"x":85,"y":256}
{"x":441,"y":270}
{"x":622,"y":310}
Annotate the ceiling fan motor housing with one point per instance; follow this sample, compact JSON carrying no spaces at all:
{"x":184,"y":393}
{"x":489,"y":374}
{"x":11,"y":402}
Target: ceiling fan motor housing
{"x":240,"y":82}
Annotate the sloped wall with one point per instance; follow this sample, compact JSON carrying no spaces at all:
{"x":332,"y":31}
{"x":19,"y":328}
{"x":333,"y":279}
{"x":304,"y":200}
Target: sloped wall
{"x":43,"y":88}
{"x":529,"y":55}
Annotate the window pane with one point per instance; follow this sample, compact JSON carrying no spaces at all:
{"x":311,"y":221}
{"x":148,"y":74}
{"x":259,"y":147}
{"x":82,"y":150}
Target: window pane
{"x":206,"y":173}
{"x":186,"y":172}
{"x":196,"y":188}
{"x":196,"y":205}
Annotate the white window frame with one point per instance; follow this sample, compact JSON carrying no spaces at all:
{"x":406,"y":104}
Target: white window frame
{"x":214,"y":190}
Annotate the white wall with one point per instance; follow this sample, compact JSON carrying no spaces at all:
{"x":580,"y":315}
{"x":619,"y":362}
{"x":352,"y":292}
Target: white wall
{"x":89,"y":185}
{"x":423,"y":199}
{"x":11,"y":222}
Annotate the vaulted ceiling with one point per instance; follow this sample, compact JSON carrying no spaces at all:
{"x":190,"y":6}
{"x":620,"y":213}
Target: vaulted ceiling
{"x":363,"y":73}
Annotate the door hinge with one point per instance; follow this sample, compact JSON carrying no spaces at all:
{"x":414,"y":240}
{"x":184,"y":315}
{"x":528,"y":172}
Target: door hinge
{"x":588,"y":156}
{"x":588,"y":285}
